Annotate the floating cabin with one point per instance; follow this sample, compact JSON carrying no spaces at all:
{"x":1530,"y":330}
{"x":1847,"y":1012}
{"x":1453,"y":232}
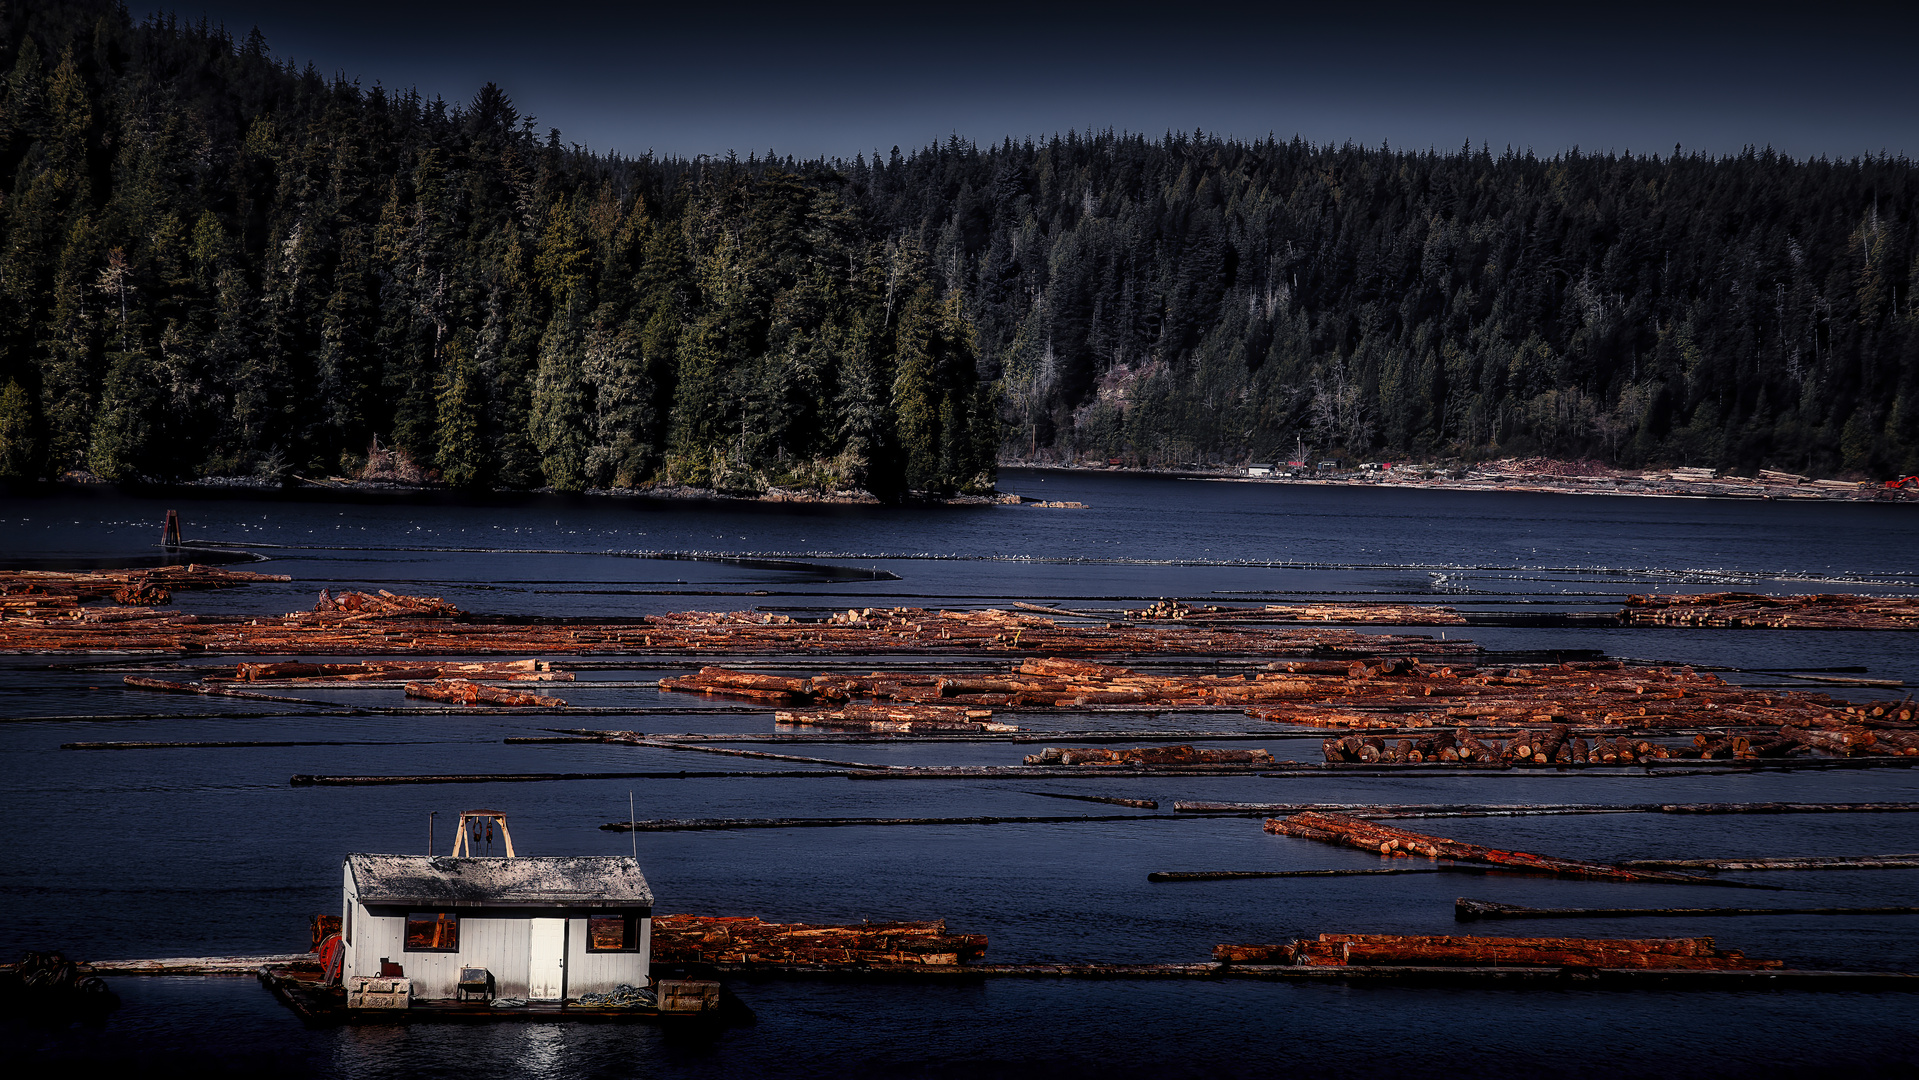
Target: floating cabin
{"x":539,"y":928}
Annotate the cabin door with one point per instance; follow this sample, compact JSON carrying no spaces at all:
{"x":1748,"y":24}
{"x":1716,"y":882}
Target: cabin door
{"x":546,"y":971}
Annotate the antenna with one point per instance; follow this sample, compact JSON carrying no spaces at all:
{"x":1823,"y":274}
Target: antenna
{"x":630,"y":825}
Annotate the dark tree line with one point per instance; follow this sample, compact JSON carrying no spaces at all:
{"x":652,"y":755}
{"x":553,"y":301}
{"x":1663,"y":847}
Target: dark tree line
{"x":1191,"y":299}
{"x":214,"y":264}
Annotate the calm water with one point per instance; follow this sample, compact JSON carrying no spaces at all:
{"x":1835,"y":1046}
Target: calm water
{"x":197,"y":851}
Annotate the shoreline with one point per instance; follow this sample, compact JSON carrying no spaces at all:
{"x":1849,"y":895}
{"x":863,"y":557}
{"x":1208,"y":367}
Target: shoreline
{"x":1656,"y":484}
{"x":304,"y":486}
{"x":1503,"y":476}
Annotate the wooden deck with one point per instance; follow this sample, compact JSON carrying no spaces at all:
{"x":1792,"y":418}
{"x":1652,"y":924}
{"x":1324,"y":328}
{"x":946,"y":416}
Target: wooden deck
{"x":324,"y":1005}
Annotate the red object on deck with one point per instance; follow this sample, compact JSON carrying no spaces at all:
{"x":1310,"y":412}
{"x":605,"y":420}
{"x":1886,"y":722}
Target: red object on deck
{"x":332,"y":957}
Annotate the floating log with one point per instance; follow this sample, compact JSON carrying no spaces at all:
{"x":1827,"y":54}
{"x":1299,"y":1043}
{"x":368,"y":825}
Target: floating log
{"x":1368,"y":974}
{"x":1825,"y":611}
{"x":304,"y":674}
{"x":900,"y":719}
{"x":360,"y":607}
{"x":465,"y":692}
{"x":1230,"y":875}
{"x":222,"y":745}
{"x":1789,"y":808}
{"x":1114,"y":800}
{"x":68,"y":588}
{"x":1149,"y":755}
{"x":1337,"y":950}
{"x":176,"y":686}
{"x":684,"y":939}
{"x":959,"y":772}
{"x":1386,"y":840}
{"x":312,"y":780}
{"x":720,"y":824}
{"x":1814,"y":862}
{"x":1386,"y":614}
{"x":635,"y":738}
{"x":389,"y":625}
{"x":1467,"y":910}
{"x":861,"y":737}
{"x":199,"y":965}
{"x":1442,"y":810}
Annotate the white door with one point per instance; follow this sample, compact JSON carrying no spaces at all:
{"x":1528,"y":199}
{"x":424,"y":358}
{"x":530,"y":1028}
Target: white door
{"x":546,"y":971}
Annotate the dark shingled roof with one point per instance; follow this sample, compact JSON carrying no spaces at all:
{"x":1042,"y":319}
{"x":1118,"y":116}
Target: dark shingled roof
{"x":531,"y":881}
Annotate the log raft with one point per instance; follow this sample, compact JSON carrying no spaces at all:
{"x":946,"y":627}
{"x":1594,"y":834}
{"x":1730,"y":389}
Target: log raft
{"x":1813,"y":862}
{"x":1376,"y":811}
{"x":712,"y":824}
{"x":200,"y":965}
{"x":1825,"y":611}
{"x":467,"y":692}
{"x":1350,"y":831}
{"x":364,"y":624}
{"x":1343,"y":950}
{"x":748,"y":942}
{"x":1469,"y":910}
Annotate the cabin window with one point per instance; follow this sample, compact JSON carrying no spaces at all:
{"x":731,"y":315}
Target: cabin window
{"x":613,"y":933}
{"x":435,"y":931}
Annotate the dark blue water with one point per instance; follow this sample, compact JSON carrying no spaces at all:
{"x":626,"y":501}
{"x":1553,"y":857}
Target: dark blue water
{"x":197,"y":851}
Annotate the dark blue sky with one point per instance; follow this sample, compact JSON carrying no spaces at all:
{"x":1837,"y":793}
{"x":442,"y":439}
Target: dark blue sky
{"x":835,"y":79}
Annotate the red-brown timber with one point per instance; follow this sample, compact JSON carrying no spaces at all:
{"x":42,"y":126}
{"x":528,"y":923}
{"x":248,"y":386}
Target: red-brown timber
{"x":1149,"y":755}
{"x":1821,"y":611}
{"x":464,"y":692}
{"x":1386,"y":840}
{"x":1336,"y":950}
{"x":684,"y":939}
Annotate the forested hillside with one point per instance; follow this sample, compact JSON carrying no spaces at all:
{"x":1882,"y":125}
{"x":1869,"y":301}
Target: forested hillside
{"x":213,"y":264}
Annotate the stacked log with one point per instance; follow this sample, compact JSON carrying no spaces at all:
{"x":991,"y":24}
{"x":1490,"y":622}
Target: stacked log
{"x":1378,"y":614}
{"x":903,"y":719}
{"x":1823,"y":611}
{"x":56,"y":594}
{"x":1562,"y":714}
{"x":687,"y":939}
{"x":387,"y":625}
{"x":1554,"y":745}
{"x":359,"y":606}
{"x":1336,"y":950}
{"x":1399,"y":843}
{"x":466,"y":692}
{"x":303,"y":674}
{"x":1149,"y":755}
{"x":777,"y":689}
{"x":1051,"y":682}
{"x":99,"y":584}
{"x":143,"y":591}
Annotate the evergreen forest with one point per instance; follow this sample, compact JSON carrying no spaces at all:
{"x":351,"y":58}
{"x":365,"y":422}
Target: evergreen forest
{"x":217,"y":264}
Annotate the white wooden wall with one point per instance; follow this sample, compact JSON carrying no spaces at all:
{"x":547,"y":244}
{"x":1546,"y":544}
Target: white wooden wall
{"x":501,"y":945}
{"x":599,"y":972}
{"x":498,"y":945}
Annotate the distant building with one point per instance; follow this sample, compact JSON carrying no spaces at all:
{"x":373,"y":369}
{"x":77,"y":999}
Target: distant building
{"x":1257,"y":469}
{"x":543,"y":928}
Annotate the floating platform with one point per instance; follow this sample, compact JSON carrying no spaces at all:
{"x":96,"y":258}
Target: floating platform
{"x":320,"y":1005}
